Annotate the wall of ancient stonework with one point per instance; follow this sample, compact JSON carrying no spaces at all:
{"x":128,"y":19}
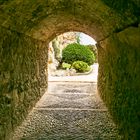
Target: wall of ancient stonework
{"x":23,"y":62}
{"x":119,"y":79}
{"x":44,"y":18}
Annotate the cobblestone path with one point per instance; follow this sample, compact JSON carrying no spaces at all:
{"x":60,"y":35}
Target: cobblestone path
{"x":68,"y":111}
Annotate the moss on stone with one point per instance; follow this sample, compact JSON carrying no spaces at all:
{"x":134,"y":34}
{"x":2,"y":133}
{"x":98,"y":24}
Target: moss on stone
{"x":24,"y":16}
{"x":19,"y":82}
{"x":122,"y":6}
{"x":119,"y":80}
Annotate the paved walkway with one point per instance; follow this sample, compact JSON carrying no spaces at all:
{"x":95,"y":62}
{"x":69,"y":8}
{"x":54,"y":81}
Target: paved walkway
{"x":92,"y":77}
{"x":69,"y":110}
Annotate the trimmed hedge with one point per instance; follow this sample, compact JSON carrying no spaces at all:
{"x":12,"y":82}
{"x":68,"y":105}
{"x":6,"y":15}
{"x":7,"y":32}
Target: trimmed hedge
{"x":66,"y":65}
{"x":81,"y":66}
{"x":76,"y":52}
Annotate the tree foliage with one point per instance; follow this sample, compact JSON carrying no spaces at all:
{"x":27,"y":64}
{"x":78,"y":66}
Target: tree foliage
{"x":76,"y":52}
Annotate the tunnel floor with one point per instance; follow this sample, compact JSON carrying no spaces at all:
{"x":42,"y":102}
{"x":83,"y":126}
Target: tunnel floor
{"x":68,"y":111}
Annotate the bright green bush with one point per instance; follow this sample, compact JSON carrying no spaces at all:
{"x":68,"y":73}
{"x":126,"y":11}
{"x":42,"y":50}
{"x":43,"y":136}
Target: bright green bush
{"x":66,"y":65}
{"x":94,"y":50}
{"x":80,"y":66}
{"x":76,"y":52}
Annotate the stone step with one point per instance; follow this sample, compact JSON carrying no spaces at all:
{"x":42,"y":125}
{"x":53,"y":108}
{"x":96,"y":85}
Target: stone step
{"x":75,"y":137}
{"x":71,"y":87}
{"x":70,"y":109}
{"x":89,"y":101}
{"x":67,"y":125}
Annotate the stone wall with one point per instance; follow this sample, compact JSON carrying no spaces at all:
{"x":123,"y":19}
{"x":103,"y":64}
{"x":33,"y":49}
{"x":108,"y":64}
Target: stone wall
{"x":119,"y":79}
{"x":43,"y":19}
{"x":23,"y":61}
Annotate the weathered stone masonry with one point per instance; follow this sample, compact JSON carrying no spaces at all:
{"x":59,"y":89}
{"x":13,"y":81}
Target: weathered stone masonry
{"x":22,"y":78}
{"x":119,"y":79}
{"x":27,"y":26}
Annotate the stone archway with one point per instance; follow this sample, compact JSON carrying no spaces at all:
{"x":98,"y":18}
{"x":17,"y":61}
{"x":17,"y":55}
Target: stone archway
{"x":27,"y":26}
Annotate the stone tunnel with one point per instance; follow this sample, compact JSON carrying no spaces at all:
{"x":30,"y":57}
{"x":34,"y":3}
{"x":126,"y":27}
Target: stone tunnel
{"x":26,"y":28}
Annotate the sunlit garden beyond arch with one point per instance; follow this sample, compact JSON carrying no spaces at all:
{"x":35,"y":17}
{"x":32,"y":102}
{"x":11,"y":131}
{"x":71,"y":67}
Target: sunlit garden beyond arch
{"x":72,"y":53}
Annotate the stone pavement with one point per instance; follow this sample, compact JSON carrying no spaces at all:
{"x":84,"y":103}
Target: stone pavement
{"x":92,"y":77}
{"x":68,"y":111}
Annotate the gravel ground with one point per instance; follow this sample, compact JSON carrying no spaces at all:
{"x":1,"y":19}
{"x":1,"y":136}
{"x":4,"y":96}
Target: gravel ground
{"x":68,"y":111}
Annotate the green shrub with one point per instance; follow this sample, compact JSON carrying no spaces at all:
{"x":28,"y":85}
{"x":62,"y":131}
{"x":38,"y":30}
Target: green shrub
{"x":76,"y":52}
{"x":66,"y":65}
{"x":94,"y":50}
{"x":80,"y":66}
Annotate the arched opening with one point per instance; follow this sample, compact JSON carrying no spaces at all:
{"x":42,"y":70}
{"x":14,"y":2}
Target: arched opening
{"x":59,"y":66}
{"x":71,"y":108}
